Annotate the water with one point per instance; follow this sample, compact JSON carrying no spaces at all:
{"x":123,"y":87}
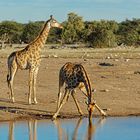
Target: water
{"x":121,"y":128}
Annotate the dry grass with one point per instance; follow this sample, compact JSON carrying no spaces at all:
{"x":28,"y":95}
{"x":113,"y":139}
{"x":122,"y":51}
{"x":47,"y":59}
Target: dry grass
{"x":87,"y":53}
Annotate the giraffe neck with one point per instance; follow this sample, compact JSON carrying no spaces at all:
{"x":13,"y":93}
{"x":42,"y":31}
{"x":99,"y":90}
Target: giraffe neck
{"x":39,"y":42}
{"x":44,"y":35}
{"x":87,"y":85}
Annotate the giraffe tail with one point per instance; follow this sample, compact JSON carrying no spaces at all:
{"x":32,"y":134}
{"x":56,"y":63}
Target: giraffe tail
{"x":8,"y":79}
{"x":9,"y":62}
{"x":9,"y":76}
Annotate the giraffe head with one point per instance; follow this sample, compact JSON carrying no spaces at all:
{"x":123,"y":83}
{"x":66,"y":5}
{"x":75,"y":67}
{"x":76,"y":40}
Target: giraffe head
{"x":53,"y":23}
{"x":91,"y":108}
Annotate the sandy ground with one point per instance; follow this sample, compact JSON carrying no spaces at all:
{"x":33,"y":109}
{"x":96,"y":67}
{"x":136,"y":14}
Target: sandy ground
{"x":117,"y":88}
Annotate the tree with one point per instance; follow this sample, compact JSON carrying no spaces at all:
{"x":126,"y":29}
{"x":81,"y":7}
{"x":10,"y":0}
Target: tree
{"x":3,"y":39}
{"x":88,"y":30}
{"x":72,"y":28}
{"x":11,"y":30}
{"x":101,"y":33}
{"x":30,"y":31}
{"x":129,"y":32}
{"x":54,"y":35}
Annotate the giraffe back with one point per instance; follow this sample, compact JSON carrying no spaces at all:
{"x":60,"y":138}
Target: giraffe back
{"x":73,"y":74}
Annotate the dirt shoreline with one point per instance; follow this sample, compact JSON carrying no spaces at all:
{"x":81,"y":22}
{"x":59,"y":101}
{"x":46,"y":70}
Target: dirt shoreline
{"x":62,"y":116}
{"x":117,"y":89}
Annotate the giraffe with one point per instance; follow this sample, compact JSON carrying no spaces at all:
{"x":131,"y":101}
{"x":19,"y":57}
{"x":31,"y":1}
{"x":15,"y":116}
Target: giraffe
{"x":75,"y":76}
{"x":29,"y":58}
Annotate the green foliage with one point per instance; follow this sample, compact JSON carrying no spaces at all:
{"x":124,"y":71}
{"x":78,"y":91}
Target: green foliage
{"x":72,"y":29}
{"x":129,"y":32}
{"x":30,"y":31}
{"x":54,"y":35}
{"x":99,"y":34}
{"x":11,"y":29}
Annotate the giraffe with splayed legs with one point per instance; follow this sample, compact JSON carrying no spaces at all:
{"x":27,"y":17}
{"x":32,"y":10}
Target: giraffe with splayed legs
{"x":29,"y":58}
{"x":75,"y":76}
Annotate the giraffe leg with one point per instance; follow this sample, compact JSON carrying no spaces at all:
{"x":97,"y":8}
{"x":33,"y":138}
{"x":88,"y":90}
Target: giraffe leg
{"x":10,"y":78}
{"x":61,"y":83}
{"x":61,"y":104}
{"x":31,"y":76}
{"x":59,"y":98}
{"x":76,"y":102}
{"x":83,"y":89}
{"x":100,"y":110}
{"x":34,"y":85}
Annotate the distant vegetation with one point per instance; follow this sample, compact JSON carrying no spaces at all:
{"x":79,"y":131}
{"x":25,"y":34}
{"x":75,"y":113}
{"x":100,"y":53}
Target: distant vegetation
{"x":98,"y":34}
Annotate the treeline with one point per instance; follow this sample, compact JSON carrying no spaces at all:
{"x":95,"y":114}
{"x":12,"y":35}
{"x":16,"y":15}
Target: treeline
{"x":103,"y":33}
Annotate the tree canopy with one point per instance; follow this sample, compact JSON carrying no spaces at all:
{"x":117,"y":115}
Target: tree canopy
{"x":103,"y":33}
{"x":72,"y":29}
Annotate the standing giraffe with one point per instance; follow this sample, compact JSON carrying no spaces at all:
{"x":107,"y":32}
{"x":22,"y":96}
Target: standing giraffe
{"x":74,"y":76}
{"x":29,"y":58}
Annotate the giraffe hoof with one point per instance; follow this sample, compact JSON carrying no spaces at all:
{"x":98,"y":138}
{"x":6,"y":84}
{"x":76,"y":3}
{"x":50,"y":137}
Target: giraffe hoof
{"x":29,"y":103}
{"x":104,"y":114}
{"x":35,"y":102}
{"x":53,"y":118}
{"x":81,"y":114}
{"x":13,"y":100}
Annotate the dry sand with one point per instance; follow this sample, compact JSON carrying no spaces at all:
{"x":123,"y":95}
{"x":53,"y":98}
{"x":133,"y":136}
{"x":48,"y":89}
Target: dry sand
{"x":117,"y":88}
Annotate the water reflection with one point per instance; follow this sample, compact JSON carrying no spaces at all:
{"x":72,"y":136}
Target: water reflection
{"x":11,"y":130}
{"x":92,"y":128}
{"x":126,"y":128}
{"x":62,"y":134}
{"x":89,"y":134}
{"x":32,"y":126}
{"x":32,"y":130}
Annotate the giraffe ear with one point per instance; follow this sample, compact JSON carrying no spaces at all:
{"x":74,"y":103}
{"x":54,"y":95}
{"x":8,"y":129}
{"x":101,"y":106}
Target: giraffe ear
{"x":51,"y":16}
